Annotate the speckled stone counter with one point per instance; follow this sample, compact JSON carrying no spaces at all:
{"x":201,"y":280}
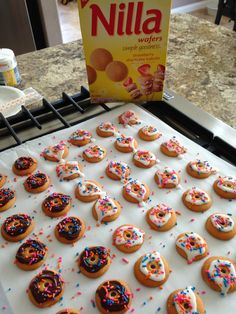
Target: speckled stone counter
{"x":201,"y":67}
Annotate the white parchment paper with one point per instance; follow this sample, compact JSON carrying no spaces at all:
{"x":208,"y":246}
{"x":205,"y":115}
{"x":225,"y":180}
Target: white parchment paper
{"x":80,"y":291}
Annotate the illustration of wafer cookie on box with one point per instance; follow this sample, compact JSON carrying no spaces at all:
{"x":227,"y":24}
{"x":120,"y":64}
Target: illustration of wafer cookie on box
{"x":125,"y":44}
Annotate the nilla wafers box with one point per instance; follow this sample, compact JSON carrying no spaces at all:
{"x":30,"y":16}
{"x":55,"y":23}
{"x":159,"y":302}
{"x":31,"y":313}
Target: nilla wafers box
{"x":125,"y":44}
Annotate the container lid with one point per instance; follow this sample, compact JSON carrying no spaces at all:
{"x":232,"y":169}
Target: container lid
{"x":6,"y":55}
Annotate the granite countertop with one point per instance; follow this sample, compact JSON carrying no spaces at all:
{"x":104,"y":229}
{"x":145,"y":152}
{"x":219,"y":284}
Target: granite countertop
{"x":201,"y":67}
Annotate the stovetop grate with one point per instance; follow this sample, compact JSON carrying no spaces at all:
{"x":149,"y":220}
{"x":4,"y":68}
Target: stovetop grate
{"x":80,"y":106}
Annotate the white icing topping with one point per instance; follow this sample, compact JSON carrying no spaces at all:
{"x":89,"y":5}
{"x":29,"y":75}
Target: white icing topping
{"x":126,"y":142}
{"x":186,"y":296}
{"x":192,"y":244}
{"x":150,"y":130}
{"x":202,"y":167}
{"x":119,"y":169}
{"x":227,"y":184}
{"x":136,"y":189}
{"x":66,"y":169}
{"x":197,"y":196}
{"x":94,"y":151}
{"x":145,"y":157}
{"x":129,"y":116}
{"x":168,"y":176}
{"x":89,"y":188}
{"x":156,"y":273}
{"x":80,"y":135}
{"x":56,"y":151}
{"x":160,"y":215}
{"x":173,"y":145}
{"x":105,"y":207}
{"x":107,"y":127}
{"x":136,"y":236}
{"x":222,"y":222}
{"x":223,"y":280}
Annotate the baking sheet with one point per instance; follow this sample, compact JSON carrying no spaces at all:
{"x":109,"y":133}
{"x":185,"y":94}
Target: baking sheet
{"x":80,"y":290}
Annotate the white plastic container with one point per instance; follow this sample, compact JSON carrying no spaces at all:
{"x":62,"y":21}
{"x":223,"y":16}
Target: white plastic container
{"x":9,"y":73}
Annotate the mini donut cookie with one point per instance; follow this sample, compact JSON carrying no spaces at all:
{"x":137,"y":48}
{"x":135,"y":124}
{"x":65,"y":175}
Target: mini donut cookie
{"x":113,"y":296}
{"x":70,"y":230}
{"x":94,"y":261}
{"x":37,"y":182}
{"x":200,"y":169}
{"x":118,"y":170}
{"x":126,"y":144}
{"x":80,"y":137}
{"x":56,"y":153}
{"x":17,"y":227}
{"x":197,"y":200}
{"x":88,"y":191}
{"x":94,"y":153}
{"x":220,"y":274}
{"x":128,"y":238}
{"x":31,"y":255}
{"x":69,"y":311}
{"x":116,"y":71}
{"x":173,"y":148}
{"x":100,"y":58}
{"x":149,"y":133}
{"x":161,"y":217}
{"x":221,"y":226}
{"x":69,"y":170}
{"x":24,"y":166}
{"x":144,"y":159}
{"x":135,"y":191}
{"x":2,"y":180}
{"x":46,"y":288}
{"x":92,"y":74}
{"x":167,"y":179}
{"x":56,"y":204}
{"x":185,"y":301}
{"x":191,"y":246}
{"x":106,"y":129}
{"x":225,"y":187}
{"x":152,"y":269}
{"x":128,"y":118}
{"x":106,"y":209}
{"x":7,"y":199}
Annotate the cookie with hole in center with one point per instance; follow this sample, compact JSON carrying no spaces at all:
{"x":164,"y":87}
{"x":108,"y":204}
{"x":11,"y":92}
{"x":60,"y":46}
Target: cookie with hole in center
{"x":200,"y":169}
{"x":118,"y":171}
{"x":161,"y":217}
{"x":94,"y":261}
{"x":184,"y":301}
{"x":94,"y":153}
{"x":167,"y":178}
{"x":46,"y":288}
{"x":135,"y":191}
{"x":7,"y":199}
{"x":24,"y":165}
{"x":2,"y":180}
{"x":144,"y":159}
{"x":56,"y":204}
{"x":37,"y":182}
{"x":219,"y":273}
{"x":225,"y":187}
{"x":152,"y":269}
{"x":128,"y":118}
{"x":106,"y":209}
{"x":128,"y":238}
{"x":126,"y":144}
{"x":17,"y":227}
{"x":80,"y":137}
{"x":191,"y":246}
{"x":31,"y":255}
{"x":69,"y":170}
{"x":89,"y":191}
{"x":113,"y":296}
{"x":197,"y":200}
{"x":70,"y":230}
{"x":221,"y":226}
{"x":69,"y":311}
{"x":149,"y":133}
{"x":173,"y":148}
{"x":56,"y":152}
{"x":106,"y":129}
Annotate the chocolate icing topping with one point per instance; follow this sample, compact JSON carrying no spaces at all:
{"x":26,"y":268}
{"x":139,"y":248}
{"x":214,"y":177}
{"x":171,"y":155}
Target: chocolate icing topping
{"x":94,"y":258}
{"x":17,"y":224}
{"x":46,"y":286}
{"x":113,"y":296}
{"x":56,"y":202}
{"x":36,"y":180}
{"x":5,"y":196}
{"x":69,"y":228}
{"x":31,"y":252}
{"x":23,"y":163}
